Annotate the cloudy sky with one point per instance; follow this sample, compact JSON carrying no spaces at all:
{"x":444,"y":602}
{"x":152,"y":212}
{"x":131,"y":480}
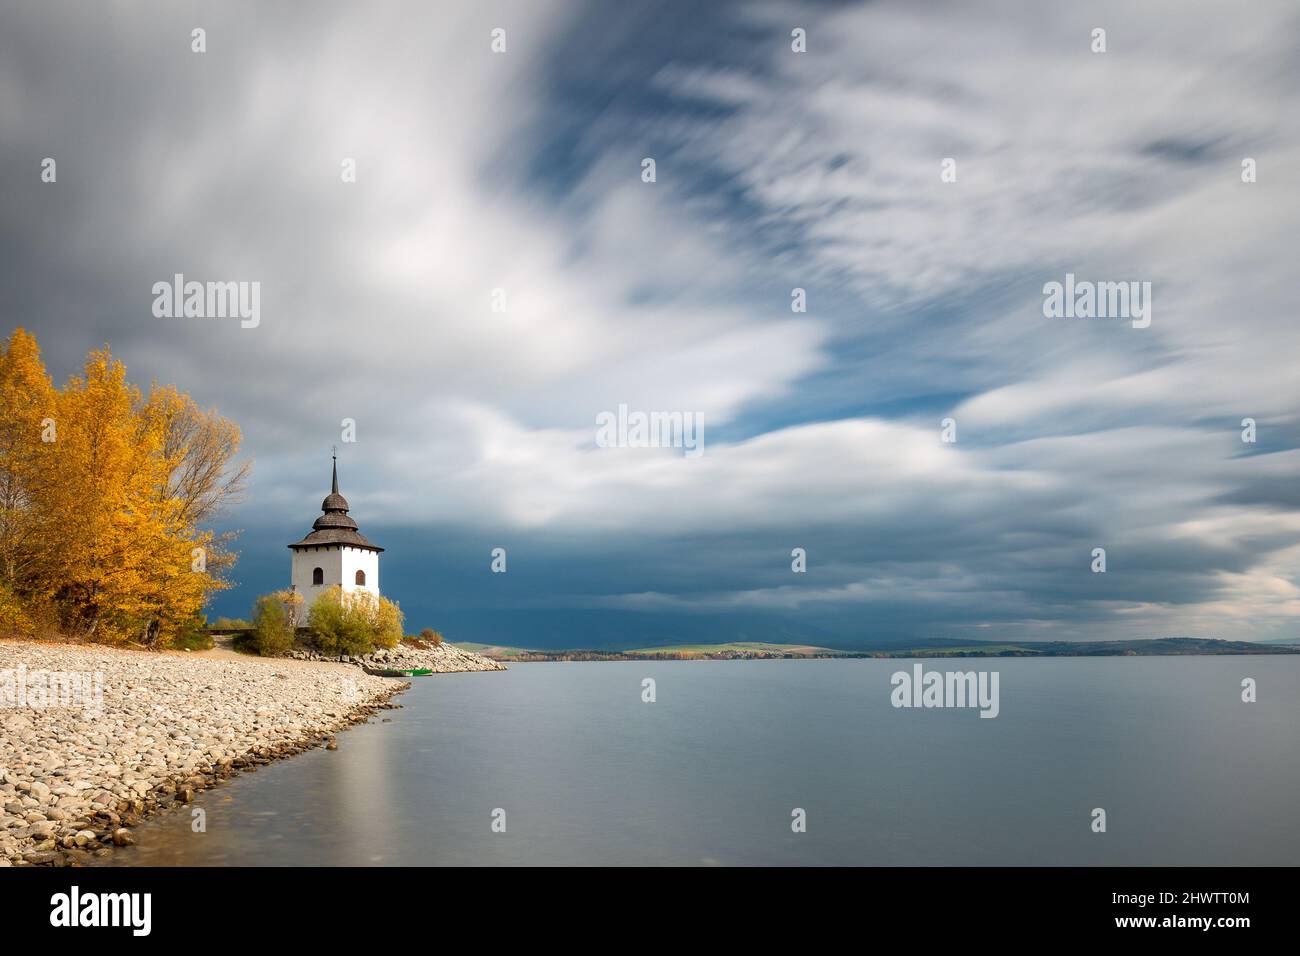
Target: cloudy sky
{"x":522,"y":171}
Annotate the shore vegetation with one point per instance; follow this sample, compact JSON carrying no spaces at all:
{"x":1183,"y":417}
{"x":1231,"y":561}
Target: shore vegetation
{"x":353,"y":622}
{"x":106,"y":494}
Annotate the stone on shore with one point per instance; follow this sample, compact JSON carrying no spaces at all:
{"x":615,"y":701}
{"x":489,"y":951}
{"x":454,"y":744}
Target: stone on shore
{"x":441,"y":659}
{"x":169,"y":726}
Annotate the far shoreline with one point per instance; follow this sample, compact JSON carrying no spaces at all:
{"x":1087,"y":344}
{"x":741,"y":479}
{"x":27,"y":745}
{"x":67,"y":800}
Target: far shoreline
{"x":757,"y":650}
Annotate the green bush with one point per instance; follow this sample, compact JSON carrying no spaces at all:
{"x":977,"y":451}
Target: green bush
{"x":354,"y":623}
{"x":230,"y":624}
{"x":245,"y":642}
{"x":192,"y":641}
{"x":193,"y":635}
{"x":273,"y":630}
{"x":14,"y":617}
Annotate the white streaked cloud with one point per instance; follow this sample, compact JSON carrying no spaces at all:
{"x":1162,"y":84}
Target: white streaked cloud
{"x":776,"y":170}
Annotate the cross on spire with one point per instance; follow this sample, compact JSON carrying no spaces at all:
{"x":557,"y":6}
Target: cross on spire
{"x":334,"y":453}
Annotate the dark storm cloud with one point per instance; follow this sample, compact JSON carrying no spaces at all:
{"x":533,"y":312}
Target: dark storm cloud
{"x":521,"y":171}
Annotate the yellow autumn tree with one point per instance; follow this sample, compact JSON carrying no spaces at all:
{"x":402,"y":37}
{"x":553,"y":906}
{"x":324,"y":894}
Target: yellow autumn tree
{"x":115,"y":502}
{"x":26,"y":406}
{"x":198,"y":449}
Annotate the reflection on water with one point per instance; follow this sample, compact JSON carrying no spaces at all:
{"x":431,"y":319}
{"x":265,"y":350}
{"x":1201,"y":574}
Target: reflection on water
{"x":589,"y":774}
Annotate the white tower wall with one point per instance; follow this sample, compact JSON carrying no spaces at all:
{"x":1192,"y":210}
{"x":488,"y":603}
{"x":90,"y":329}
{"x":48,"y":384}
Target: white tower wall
{"x":339,"y":564}
{"x":365,"y":561}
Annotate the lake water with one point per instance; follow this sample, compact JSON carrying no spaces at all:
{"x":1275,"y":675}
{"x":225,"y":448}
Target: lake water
{"x":710,"y":772}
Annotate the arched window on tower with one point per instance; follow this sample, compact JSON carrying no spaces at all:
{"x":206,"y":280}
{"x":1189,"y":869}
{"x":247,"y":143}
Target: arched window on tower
{"x":317,"y":576}
{"x":361,"y":578}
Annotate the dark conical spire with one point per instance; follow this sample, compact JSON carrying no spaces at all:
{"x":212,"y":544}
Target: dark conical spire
{"x":334,"y":502}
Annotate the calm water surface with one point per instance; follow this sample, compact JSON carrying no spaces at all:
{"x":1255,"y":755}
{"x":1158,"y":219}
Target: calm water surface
{"x":709,"y":774}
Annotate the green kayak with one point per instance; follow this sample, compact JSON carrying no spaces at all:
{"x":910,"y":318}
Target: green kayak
{"x":411,"y":672}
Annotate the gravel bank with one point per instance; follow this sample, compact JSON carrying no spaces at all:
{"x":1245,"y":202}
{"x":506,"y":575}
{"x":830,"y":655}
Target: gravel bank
{"x":145,"y":732}
{"x":441,"y":659}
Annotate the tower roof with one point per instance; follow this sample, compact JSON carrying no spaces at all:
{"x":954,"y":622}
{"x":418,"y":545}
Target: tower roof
{"x":334,"y":526}
{"x":335,"y":501}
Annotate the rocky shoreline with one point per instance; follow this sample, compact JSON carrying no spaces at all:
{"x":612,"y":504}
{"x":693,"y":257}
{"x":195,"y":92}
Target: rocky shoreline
{"x":93,"y":739}
{"x":439,"y":658}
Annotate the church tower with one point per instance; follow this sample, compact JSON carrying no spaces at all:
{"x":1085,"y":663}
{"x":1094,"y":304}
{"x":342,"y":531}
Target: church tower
{"x":335,"y":552}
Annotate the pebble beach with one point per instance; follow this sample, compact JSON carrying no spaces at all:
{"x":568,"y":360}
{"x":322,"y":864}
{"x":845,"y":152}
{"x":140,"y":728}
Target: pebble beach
{"x":94,"y":739}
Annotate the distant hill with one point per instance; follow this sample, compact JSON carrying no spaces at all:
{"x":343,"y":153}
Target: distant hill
{"x":731,"y":650}
{"x":1153,"y":647}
